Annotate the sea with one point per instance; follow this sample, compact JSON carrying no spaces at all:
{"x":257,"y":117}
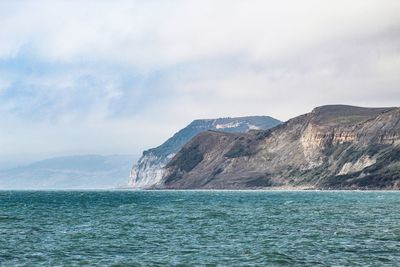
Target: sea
{"x":199,"y":228}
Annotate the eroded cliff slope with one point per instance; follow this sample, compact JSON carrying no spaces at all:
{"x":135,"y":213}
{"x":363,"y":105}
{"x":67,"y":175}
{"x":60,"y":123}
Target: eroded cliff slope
{"x":336,"y":147}
{"x":149,"y":169}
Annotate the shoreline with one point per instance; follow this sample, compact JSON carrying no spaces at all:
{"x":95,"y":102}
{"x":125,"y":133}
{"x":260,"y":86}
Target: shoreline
{"x":266,"y":189}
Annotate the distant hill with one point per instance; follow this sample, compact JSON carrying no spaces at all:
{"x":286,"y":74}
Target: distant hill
{"x":149,"y":169}
{"x":332,"y":147}
{"x":71,"y":172}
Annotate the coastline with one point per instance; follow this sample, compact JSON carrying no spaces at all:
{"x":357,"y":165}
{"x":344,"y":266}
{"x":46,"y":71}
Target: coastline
{"x":266,"y":189}
{"x":263,"y":189}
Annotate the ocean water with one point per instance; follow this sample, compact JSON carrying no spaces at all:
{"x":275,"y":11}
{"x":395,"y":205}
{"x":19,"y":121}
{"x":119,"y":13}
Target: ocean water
{"x":199,"y":228}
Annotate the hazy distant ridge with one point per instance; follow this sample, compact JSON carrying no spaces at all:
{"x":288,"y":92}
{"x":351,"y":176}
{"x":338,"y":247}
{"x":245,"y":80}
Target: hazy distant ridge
{"x":71,"y":172}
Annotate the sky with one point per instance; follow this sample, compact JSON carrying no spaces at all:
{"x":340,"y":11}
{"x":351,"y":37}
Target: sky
{"x":117,"y":77}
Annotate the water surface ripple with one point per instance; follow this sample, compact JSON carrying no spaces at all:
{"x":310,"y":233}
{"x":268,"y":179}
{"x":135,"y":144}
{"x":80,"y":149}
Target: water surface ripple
{"x":199,"y":228}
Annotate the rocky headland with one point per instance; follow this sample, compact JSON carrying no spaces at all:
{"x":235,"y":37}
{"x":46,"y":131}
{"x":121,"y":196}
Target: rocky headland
{"x":332,"y":147}
{"x":149,"y":169}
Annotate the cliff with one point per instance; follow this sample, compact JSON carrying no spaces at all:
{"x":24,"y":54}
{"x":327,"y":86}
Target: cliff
{"x":149,"y":169}
{"x":332,"y":147}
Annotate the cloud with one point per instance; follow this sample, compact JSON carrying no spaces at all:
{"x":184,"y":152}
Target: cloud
{"x":158,"y":34}
{"x":119,"y":76}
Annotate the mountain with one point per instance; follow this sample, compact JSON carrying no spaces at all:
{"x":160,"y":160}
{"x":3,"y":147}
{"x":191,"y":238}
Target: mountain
{"x":149,"y":169}
{"x":332,"y":147}
{"x":71,"y":172}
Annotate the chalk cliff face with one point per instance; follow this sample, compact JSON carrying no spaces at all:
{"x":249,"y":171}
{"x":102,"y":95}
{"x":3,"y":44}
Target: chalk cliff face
{"x":338,"y":147}
{"x":149,"y":169}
